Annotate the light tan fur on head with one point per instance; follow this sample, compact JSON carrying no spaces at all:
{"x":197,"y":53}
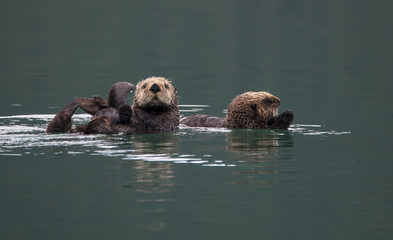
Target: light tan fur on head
{"x":155,"y":92}
{"x":252,"y":110}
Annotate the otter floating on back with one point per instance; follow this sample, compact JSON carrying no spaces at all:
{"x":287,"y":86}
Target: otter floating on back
{"x":254,"y":110}
{"x":155,"y":105}
{"x":154,"y":109}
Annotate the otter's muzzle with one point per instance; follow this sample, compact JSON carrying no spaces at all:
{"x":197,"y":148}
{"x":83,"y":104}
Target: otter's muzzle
{"x":155,"y":88}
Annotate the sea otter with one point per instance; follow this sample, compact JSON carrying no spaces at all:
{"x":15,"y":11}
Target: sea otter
{"x":257,"y":110}
{"x":155,"y":105}
{"x":154,"y":109}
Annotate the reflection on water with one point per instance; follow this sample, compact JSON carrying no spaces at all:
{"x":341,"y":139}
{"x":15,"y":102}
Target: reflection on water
{"x":152,"y":180}
{"x":262,"y":143}
{"x":259,"y":151}
{"x":154,"y":177}
{"x":163,"y":143}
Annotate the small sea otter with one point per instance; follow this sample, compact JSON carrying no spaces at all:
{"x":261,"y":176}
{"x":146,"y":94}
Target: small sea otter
{"x":257,"y":110}
{"x":116,"y":102}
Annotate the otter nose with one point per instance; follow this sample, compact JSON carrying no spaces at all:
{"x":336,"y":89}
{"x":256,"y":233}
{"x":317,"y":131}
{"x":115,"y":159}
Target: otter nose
{"x":155,"y":88}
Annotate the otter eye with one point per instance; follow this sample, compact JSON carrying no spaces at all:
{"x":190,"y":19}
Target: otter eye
{"x":267,"y":101}
{"x":254,"y":106}
{"x":144,"y":86}
{"x":166,"y":85}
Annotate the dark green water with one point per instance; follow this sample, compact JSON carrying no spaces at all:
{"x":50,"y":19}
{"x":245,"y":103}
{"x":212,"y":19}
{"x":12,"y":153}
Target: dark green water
{"x":328,"y":177}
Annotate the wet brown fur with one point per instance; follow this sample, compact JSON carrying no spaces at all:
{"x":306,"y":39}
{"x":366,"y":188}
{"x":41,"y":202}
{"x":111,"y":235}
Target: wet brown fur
{"x":62,"y":120}
{"x":251,"y":110}
{"x":92,"y":105}
{"x":254,"y":110}
{"x":154,"y":109}
{"x":155,"y":105}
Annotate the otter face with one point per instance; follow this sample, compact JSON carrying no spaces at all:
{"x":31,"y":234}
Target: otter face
{"x":252,"y":110}
{"x":155,"y":92}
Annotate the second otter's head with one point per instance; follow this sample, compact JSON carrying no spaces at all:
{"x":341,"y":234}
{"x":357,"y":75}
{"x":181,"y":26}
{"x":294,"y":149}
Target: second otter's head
{"x":252,"y":110}
{"x":156,"y":93}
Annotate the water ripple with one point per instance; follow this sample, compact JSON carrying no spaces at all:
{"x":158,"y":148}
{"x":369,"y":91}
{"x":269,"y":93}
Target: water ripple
{"x":312,"y":130}
{"x":192,"y":108}
{"x":25,"y":135}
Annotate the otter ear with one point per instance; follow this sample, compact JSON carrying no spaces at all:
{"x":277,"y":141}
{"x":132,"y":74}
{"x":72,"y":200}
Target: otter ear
{"x":253,"y":106}
{"x":175,"y":90}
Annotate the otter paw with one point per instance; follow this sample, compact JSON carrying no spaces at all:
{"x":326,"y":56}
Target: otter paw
{"x":284,"y":120}
{"x":125,"y":114}
{"x":272,"y":121}
{"x":286,"y":117}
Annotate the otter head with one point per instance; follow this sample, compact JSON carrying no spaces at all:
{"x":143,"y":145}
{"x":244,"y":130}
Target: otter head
{"x":252,"y":110}
{"x":156,"y":94}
